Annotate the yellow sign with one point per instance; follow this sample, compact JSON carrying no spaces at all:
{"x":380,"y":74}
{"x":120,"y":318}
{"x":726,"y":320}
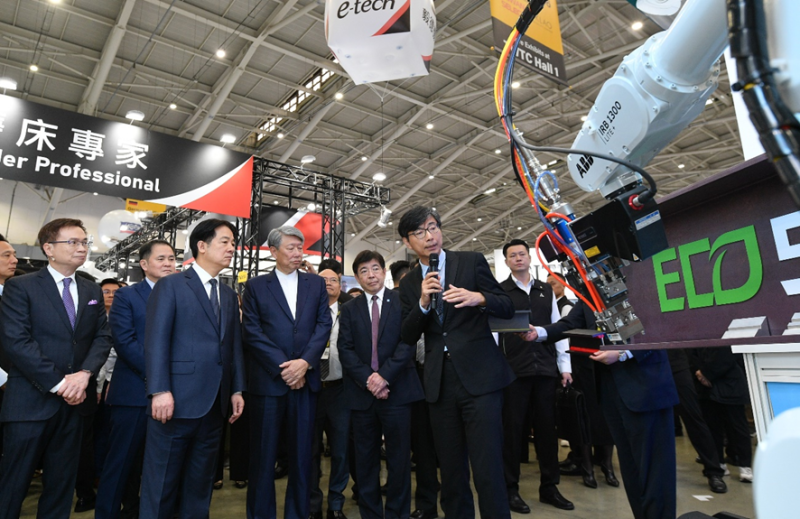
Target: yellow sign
{"x":242,"y":277}
{"x":140,"y":205}
{"x":541,"y":48}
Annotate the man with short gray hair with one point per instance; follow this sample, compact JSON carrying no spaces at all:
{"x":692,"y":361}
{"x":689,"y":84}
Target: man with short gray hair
{"x":286,"y":323}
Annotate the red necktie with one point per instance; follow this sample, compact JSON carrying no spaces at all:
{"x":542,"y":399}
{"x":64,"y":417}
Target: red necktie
{"x":376,"y":317}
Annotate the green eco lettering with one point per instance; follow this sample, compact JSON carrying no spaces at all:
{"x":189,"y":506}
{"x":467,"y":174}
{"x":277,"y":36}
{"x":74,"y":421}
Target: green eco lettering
{"x":753,"y":283}
{"x":719,"y":296}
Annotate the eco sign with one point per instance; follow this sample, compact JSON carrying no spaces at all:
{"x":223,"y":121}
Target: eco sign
{"x":694,"y":259}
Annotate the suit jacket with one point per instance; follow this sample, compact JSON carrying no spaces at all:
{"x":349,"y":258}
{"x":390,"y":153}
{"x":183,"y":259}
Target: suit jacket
{"x":478,"y":361}
{"x":42,"y":347}
{"x":272,"y":336}
{"x":395,"y":357}
{"x":127,"y":321}
{"x":644,"y":382}
{"x":187,"y":352}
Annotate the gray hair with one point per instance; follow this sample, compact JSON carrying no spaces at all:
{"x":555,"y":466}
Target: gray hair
{"x":276,"y":235}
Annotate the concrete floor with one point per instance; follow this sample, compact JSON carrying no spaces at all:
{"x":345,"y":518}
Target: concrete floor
{"x":603,"y":503}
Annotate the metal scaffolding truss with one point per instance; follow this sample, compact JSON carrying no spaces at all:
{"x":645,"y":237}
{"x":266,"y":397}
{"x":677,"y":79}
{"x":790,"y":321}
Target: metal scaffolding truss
{"x":335,"y":198}
{"x":165,"y":226}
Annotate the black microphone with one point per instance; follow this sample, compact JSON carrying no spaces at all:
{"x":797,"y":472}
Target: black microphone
{"x":433,"y":266}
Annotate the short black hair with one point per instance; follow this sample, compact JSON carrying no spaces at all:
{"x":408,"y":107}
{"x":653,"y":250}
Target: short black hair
{"x":206,"y":230}
{"x":147,"y":248}
{"x":3,"y":238}
{"x":110,"y":281}
{"x":355,"y":289}
{"x":365,"y":256}
{"x":414,"y":218}
{"x":514,"y":243}
{"x":399,"y":269}
{"x":331,"y":264}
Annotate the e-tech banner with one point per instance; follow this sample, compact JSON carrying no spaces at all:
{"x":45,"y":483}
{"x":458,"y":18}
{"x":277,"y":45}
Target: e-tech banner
{"x":541,"y":48}
{"x":53,"y":147}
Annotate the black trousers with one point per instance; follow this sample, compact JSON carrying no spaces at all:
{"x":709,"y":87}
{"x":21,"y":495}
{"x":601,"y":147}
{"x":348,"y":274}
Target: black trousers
{"x":539,"y":395}
{"x":468,"y":430}
{"x":646,"y":448}
{"x":56,"y":443}
{"x":729,"y":420}
{"x":696,"y":427}
{"x":424,"y":456}
{"x":239,"y":452}
{"x":84,"y":484}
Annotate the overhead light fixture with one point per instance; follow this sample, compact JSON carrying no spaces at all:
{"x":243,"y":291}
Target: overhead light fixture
{"x":275,"y":202}
{"x":552,"y":162}
{"x":386,"y":213}
{"x":397,"y":241}
{"x":431,"y":177}
{"x":490,"y":191}
{"x":338,"y":96}
{"x":480,"y":219}
{"x":280,"y":136}
{"x":185,"y":231}
{"x":8,"y":83}
{"x":311,"y":207}
{"x":709,"y":101}
{"x":227,"y":138}
{"x":637,"y":25}
{"x":34,"y":67}
{"x":433,"y":208}
{"x":583,"y":118}
{"x":498,"y":151}
{"x":515,"y":84}
{"x":94,"y":248}
{"x":379,"y":176}
{"x":134,"y":115}
{"x":55,"y":1}
{"x":681,"y":166}
{"x":173,"y":106}
{"x":429,"y":126}
{"x":519,"y":228}
{"x":364,"y":158}
{"x":95,"y":194}
{"x":474,"y":239}
{"x":308,"y":159}
{"x":221,"y":53}
{"x":352,"y":234}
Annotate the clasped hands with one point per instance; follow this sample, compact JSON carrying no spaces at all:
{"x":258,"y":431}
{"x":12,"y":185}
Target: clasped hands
{"x":73,"y":390}
{"x":294,"y":373}
{"x":458,"y":296}
{"x":378,"y":386}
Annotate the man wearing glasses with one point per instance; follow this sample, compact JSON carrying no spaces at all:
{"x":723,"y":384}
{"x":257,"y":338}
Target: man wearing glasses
{"x":55,"y":335}
{"x":465,"y":371}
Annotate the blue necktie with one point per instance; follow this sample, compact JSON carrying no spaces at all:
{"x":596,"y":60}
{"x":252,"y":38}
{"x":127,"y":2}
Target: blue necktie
{"x":69,"y":303}
{"x":214,"y":299}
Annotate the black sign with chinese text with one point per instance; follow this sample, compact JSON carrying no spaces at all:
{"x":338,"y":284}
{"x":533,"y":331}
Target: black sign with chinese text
{"x":44,"y":145}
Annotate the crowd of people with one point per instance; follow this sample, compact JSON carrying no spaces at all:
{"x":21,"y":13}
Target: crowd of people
{"x":147,"y":381}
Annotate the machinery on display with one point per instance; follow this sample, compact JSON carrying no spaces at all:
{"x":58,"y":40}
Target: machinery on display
{"x":655,"y":93}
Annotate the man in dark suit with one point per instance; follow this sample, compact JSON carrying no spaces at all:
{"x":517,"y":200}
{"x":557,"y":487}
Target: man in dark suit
{"x":465,"y":371}
{"x":194,"y":373}
{"x":8,"y":263}
{"x":537,"y":367}
{"x":127,"y":397}
{"x":286,"y":322}
{"x":55,"y":336}
{"x":380,"y":385}
{"x":637,"y":394}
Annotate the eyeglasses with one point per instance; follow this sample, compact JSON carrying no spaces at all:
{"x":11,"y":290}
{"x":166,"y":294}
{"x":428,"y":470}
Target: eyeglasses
{"x":109,"y":292}
{"x":420,"y":233}
{"x":332,"y":281}
{"x":74,"y":243}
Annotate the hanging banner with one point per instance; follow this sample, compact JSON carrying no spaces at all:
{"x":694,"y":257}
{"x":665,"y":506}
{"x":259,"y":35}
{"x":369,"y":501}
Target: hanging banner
{"x":381,"y":40}
{"x":53,"y":147}
{"x":541,"y":48}
{"x":140,"y":205}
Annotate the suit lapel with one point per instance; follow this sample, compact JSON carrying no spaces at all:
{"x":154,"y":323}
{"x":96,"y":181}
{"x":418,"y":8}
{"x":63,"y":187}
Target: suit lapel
{"x":274,"y":286}
{"x":364,"y":310}
{"x":83,"y":299}
{"x":388,"y":301}
{"x":50,"y":289}
{"x":193,"y":281}
{"x":450,"y":274}
{"x":143,"y":289}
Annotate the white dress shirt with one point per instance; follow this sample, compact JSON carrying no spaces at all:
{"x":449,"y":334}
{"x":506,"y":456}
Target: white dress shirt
{"x":205,"y":279}
{"x":380,"y":302}
{"x":331,"y":353}
{"x":563,"y":360}
{"x":289,"y":285}
{"x":1,"y":289}
{"x":73,"y":291}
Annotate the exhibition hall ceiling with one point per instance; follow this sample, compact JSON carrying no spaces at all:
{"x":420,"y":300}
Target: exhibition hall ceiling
{"x":275,"y":90}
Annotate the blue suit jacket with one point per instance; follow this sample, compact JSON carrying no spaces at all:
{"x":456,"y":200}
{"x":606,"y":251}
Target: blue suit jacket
{"x":127,"y":320}
{"x":644,"y":382}
{"x":272,"y":336}
{"x":186,"y":351}
{"x":41,"y":346}
{"x":395,"y":358}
